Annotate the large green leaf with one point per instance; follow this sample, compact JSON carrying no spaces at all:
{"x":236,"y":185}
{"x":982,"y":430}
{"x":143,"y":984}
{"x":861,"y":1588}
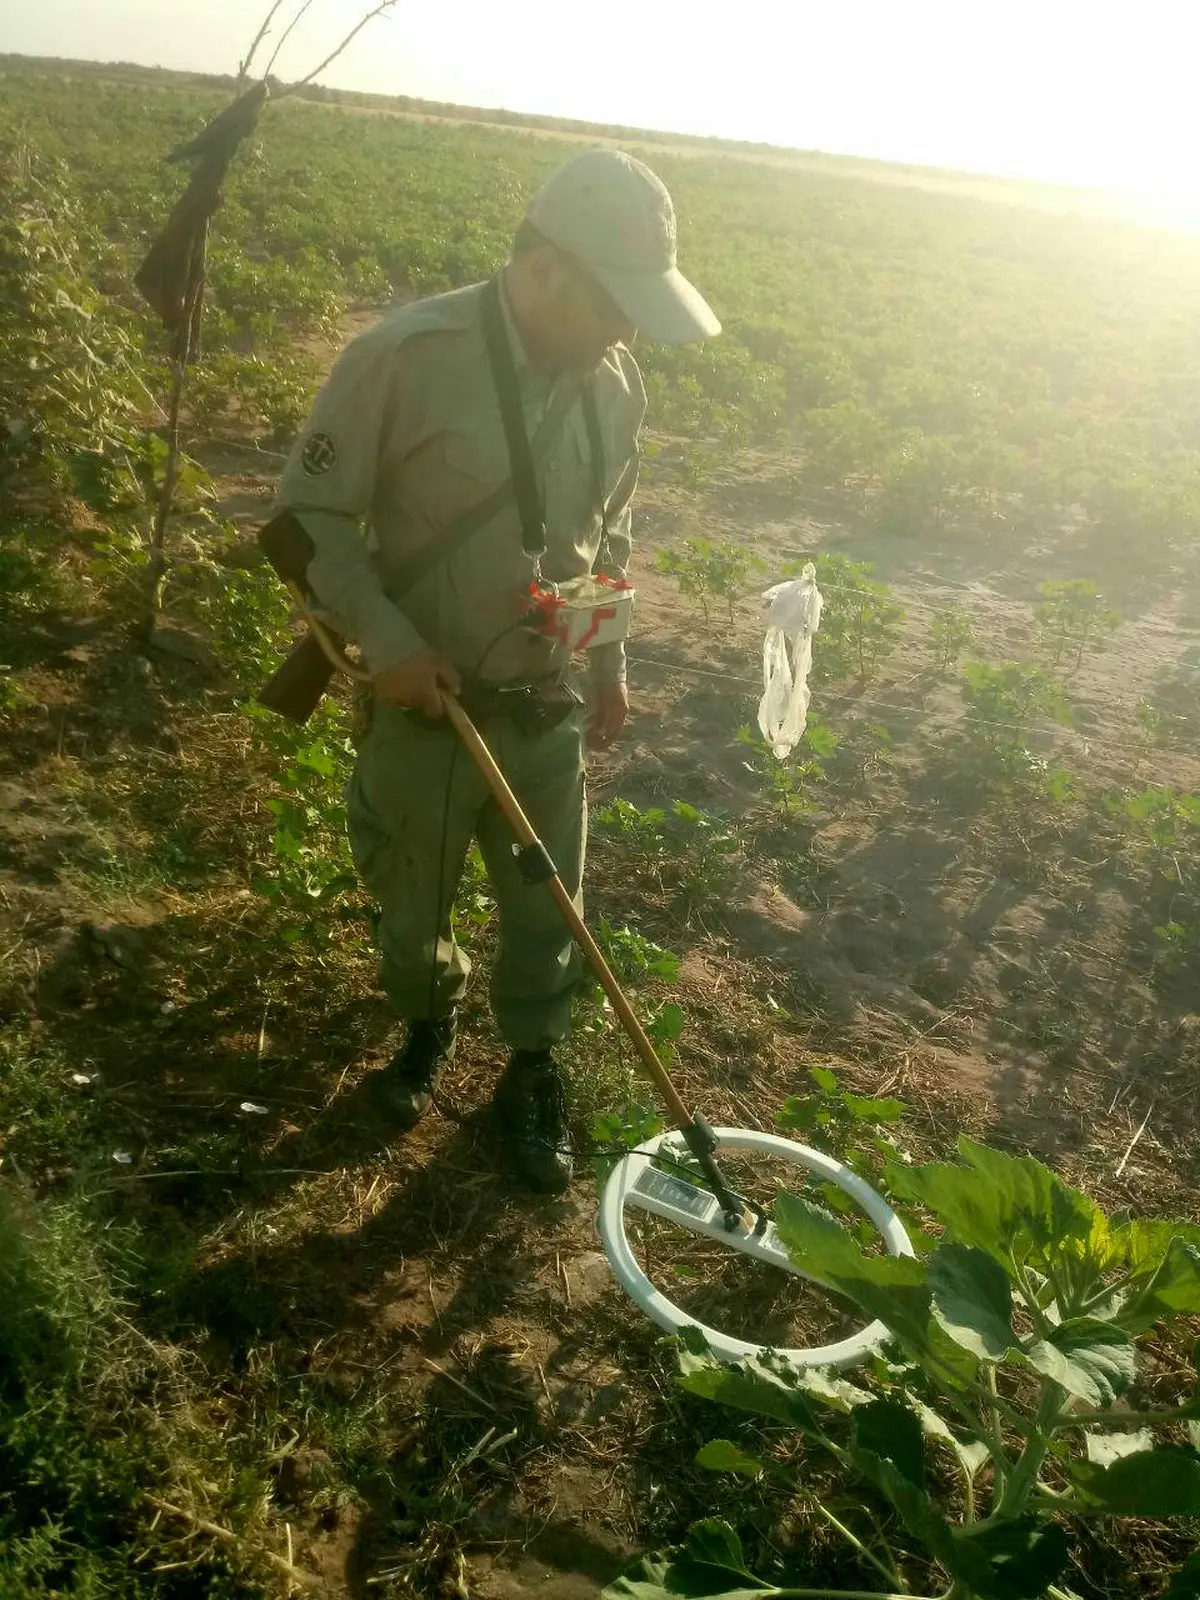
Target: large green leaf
{"x":890,"y":1288}
{"x":660,"y":1579}
{"x":972,"y":1299}
{"x":765,"y":1386}
{"x":892,"y":1432}
{"x":712,"y":1560}
{"x":800,"y":1116}
{"x":722,"y":1455}
{"x":1006,"y":1205}
{"x":949,"y":1357}
{"x":716,"y":1543}
{"x":864,"y":1110}
{"x":1011,"y":1561}
{"x":1185,"y":1582}
{"x":1054,"y":1210}
{"x":648,"y":1583}
{"x":1145,"y":1241}
{"x":972,"y":1453}
{"x":839,"y":1394}
{"x":887,"y":1445}
{"x":1173,"y":1290}
{"x":1094,"y":1360}
{"x":710,"y":1566}
{"x":1149,"y":1483}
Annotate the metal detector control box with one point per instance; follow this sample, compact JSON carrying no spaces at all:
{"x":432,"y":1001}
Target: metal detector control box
{"x":676,"y":1200}
{"x":584,"y":612}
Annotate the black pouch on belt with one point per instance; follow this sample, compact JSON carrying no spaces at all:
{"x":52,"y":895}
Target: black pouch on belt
{"x":532,"y":708}
{"x":539,"y":708}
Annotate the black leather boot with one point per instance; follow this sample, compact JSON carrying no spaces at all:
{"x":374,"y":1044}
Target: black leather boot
{"x":532,"y":1109}
{"x":404,"y":1089}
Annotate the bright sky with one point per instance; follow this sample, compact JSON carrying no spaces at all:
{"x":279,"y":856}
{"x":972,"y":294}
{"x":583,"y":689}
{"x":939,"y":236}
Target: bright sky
{"x":1099,"y":92}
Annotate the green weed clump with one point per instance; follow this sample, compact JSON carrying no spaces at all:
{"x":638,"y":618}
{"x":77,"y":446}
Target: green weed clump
{"x":788,"y":785}
{"x":1164,"y":839}
{"x":706,"y":572}
{"x":1073,"y":618}
{"x":860,"y":622}
{"x":70,"y":362}
{"x":1004,"y":704}
{"x":691,"y":854}
{"x":951,"y":633}
{"x":95,"y":1425}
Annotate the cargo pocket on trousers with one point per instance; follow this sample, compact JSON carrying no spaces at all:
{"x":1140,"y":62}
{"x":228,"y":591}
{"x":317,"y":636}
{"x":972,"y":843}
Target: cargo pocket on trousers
{"x":378,"y":850}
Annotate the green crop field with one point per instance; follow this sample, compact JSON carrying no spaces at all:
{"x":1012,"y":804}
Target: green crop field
{"x":246,"y":1349}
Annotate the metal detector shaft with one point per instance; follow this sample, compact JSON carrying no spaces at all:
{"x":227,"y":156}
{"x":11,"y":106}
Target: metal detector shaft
{"x":528,"y":839}
{"x":699,"y":1137}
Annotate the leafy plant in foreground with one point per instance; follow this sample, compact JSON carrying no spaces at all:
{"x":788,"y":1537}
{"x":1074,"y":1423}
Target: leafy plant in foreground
{"x":1072,"y":616}
{"x":688,"y":851}
{"x":1013,"y":1344}
{"x":860,"y":622}
{"x":950,"y":634}
{"x":1003,"y":704}
{"x":786,"y":782}
{"x":706,"y":571}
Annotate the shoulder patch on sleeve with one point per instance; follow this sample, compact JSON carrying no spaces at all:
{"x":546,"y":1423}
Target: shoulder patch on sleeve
{"x":319,"y":454}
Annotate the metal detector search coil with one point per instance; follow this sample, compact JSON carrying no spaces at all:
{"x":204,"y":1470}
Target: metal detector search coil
{"x":585,"y":611}
{"x":636,"y":1182}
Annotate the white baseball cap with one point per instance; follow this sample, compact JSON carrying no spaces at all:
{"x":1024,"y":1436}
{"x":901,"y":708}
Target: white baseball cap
{"x":612,"y":214}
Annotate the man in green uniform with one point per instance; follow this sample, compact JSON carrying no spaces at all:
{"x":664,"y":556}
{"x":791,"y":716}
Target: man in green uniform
{"x":422,"y":422}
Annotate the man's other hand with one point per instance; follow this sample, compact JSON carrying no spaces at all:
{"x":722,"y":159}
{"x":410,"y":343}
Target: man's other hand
{"x":610,"y":707}
{"x":418,"y":681}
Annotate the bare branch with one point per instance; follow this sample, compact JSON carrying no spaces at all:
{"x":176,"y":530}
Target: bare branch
{"x":283,"y":38}
{"x":385,"y":5}
{"x":258,"y":39}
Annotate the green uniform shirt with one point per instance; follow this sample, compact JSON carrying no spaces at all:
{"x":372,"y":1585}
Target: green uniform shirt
{"x":404,"y":437}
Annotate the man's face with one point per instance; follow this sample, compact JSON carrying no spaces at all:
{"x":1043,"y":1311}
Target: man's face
{"x":581,"y":321}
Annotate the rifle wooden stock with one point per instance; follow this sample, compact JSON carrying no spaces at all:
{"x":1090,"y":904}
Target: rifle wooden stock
{"x":294,"y":689}
{"x":287,"y":547}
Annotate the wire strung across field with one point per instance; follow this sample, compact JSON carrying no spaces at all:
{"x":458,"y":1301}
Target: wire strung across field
{"x":1120,"y":746}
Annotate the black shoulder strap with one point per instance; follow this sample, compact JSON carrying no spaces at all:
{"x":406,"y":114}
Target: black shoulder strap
{"x":508,"y":392}
{"x":591,"y":420}
{"x":529,"y":503}
{"x":443,"y":545}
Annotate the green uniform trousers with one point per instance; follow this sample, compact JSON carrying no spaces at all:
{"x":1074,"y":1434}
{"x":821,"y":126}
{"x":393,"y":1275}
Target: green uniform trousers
{"x":415,"y":801}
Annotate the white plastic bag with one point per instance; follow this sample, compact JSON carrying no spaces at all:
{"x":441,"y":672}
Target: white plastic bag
{"x":793,"y":616}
